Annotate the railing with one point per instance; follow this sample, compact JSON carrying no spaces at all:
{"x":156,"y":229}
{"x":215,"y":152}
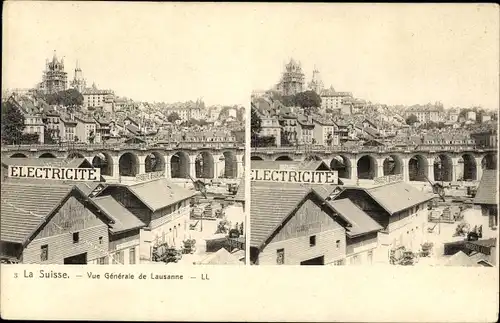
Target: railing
{"x":123,"y":146}
{"x":359,"y":149}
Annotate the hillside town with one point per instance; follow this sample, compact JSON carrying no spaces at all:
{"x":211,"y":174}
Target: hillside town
{"x":57,"y":111}
{"x":89,"y":177}
{"x":339,"y":180}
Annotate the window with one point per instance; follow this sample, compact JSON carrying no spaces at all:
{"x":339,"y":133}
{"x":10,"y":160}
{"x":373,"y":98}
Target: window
{"x":102,"y":261}
{"x":76,"y":237}
{"x":118,"y":257}
{"x":337,"y":243}
{"x":312,"y":241}
{"x":132,"y":256}
{"x":369,"y":256}
{"x":100,"y":240}
{"x":44,"y":255}
{"x":280,"y":256}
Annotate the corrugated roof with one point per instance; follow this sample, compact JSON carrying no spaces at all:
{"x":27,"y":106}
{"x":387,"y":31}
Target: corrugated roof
{"x":124,"y":220}
{"x":487,"y":192}
{"x":361,"y":222}
{"x":20,"y":203}
{"x":160,"y":193}
{"x":395,"y":197}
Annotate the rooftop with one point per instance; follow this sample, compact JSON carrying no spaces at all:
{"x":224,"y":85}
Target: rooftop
{"x":487,"y":191}
{"x":160,"y":193}
{"x":123,"y":219}
{"x":361,"y":222}
{"x":25,"y":206}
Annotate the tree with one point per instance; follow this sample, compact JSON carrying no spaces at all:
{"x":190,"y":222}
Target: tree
{"x":50,"y":135}
{"x":12,"y":123}
{"x":308,"y":100}
{"x":68,"y":98}
{"x":256,"y":122}
{"x":173,"y":117}
{"x":91,"y":137}
{"x":411,"y":119}
{"x":29,"y":138}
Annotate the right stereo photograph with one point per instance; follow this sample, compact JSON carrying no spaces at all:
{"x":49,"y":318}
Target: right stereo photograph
{"x":337,"y":179}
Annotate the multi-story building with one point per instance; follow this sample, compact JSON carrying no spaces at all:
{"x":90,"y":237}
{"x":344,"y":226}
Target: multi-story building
{"x":487,"y":138}
{"x":93,"y":98}
{"x":162,"y":206}
{"x":305,"y":130}
{"x":471,"y":115}
{"x":402,"y":220}
{"x":86,"y":129}
{"x":292,"y":79}
{"x":67,"y":128}
{"x":33,"y":123}
{"x":270,"y":127}
{"x":78,"y":83}
{"x":337,"y":101}
{"x":55,"y":79}
{"x":324,"y":132}
{"x":425,"y":114}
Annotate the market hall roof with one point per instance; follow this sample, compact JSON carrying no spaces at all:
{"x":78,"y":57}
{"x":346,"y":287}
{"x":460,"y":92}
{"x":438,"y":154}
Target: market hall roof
{"x":124,"y":220}
{"x":395,"y":197}
{"x":157,"y":194}
{"x":487,"y":191}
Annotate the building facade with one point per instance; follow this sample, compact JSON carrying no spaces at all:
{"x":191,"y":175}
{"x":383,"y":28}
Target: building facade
{"x":54,"y":79}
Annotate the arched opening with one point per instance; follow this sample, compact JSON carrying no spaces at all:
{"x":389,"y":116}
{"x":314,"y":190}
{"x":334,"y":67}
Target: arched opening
{"x":469,"y":167}
{"x":367,"y":167}
{"x":204,"y":165}
{"x":284,"y":157}
{"x":179,"y":165}
{"x":393,"y":165}
{"x":128,"y":164}
{"x":489,"y":161}
{"x":47,"y":155}
{"x":104,"y":162}
{"x":154,"y":162}
{"x":418,"y":168}
{"x":443,"y":168}
{"x":230,"y":164}
{"x":342,"y":165}
{"x":256,"y":158}
{"x":74,"y":155}
{"x":312,"y":157}
{"x":19,"y":155}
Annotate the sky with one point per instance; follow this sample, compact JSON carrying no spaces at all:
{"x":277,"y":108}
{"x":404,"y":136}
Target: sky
{"x":148,"y":52}
{"x":386,"y":53}
{"x":390,"y":54}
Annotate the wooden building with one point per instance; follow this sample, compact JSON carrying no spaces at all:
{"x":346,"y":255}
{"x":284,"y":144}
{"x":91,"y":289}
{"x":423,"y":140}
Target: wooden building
{"x":402,"y":219}
{"x":487,"y":197}
{"x":161,"y":205}
{"x":294,"y":225}
{"x":52,"y":225}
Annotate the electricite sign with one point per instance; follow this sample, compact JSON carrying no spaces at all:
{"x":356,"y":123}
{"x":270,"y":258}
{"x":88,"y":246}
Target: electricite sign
{"x":55,"y":173}
{"x":294,"y":176}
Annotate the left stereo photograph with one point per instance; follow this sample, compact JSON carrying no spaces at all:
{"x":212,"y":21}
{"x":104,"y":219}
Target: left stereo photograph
{"x":137,"y":158}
